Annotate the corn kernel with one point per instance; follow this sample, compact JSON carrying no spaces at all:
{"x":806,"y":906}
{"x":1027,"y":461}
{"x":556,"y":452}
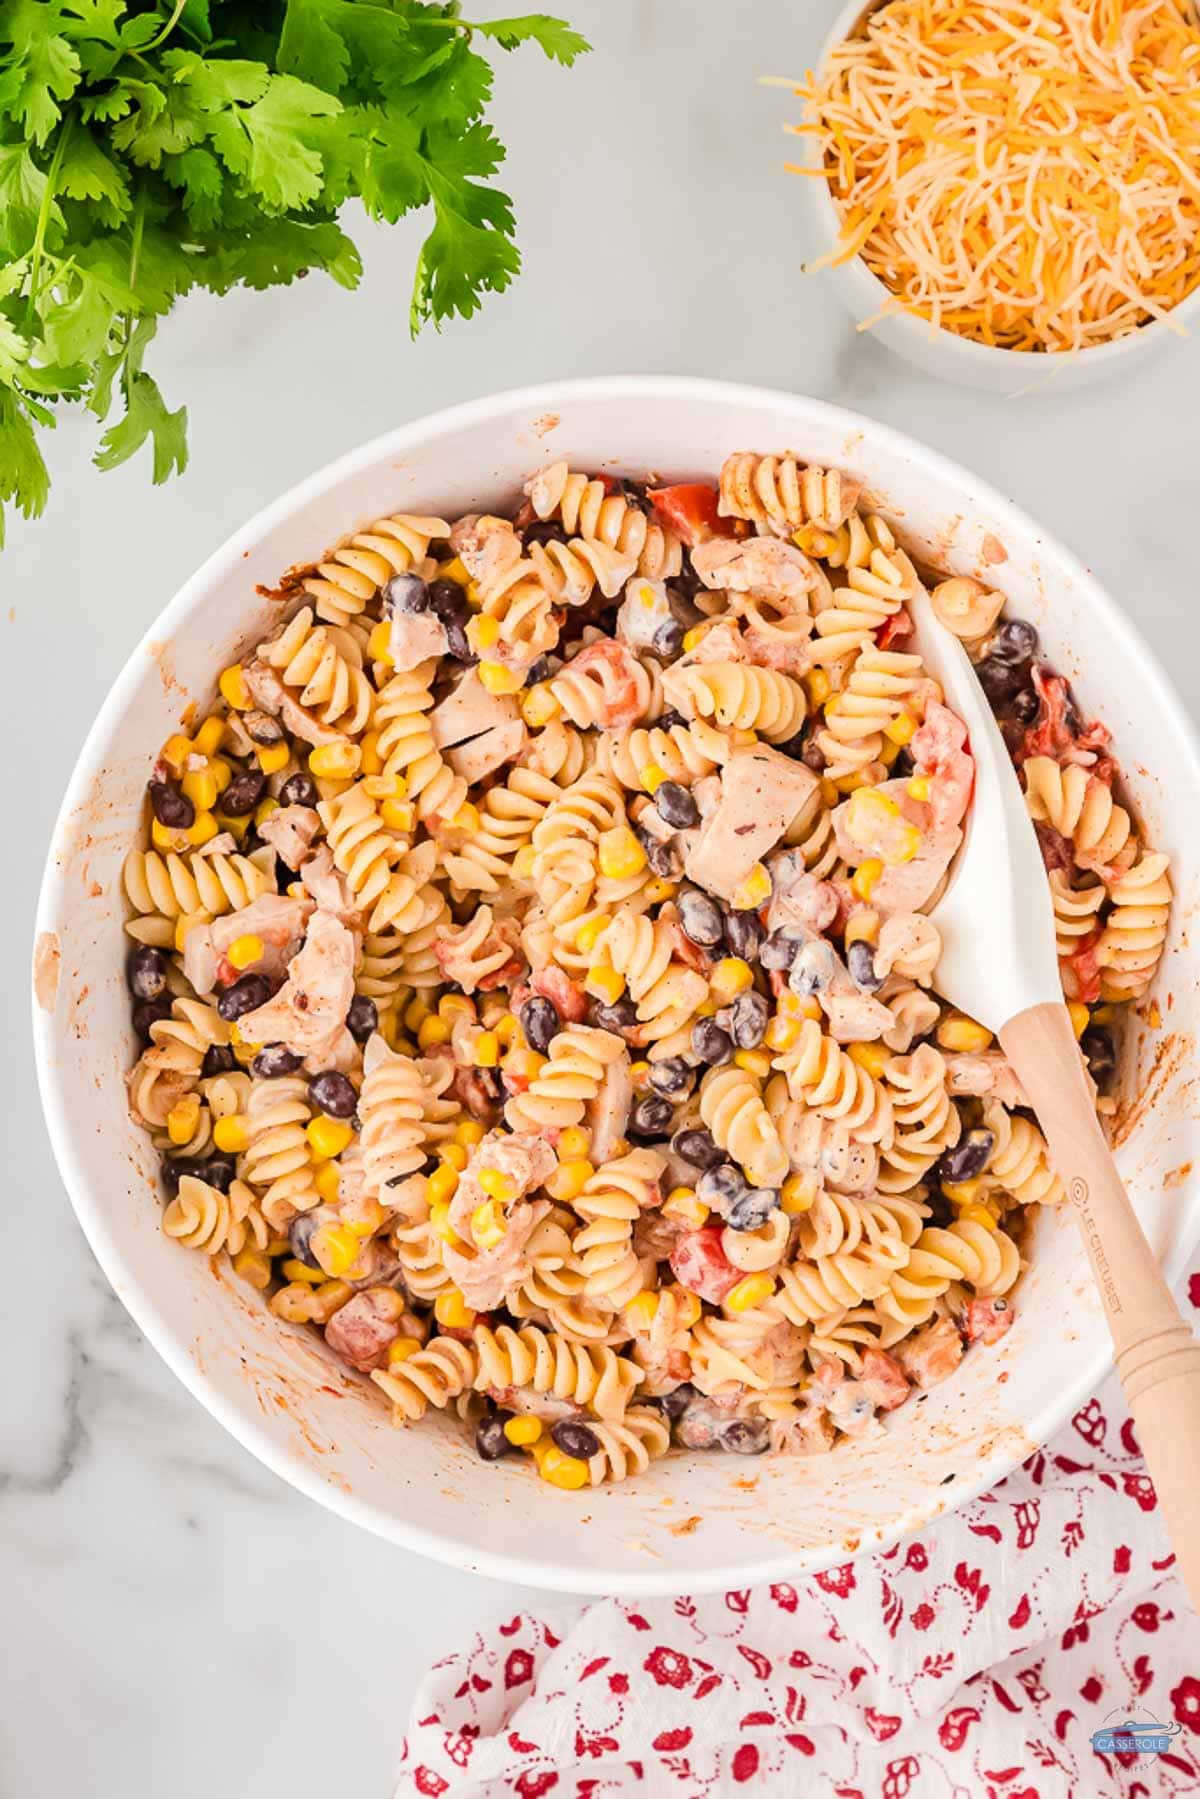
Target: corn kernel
{"x":222,"y":772}
{"x":509,"y":1034}
{"x":469,"y":1133}
{"x":693,"y":638}
{"x":687,"y":1308}
{"x":245,"y":950}
{"x":454,"y":570}
{"x":202,"y":830}
{"x":456,"y":1005}
{"x":183,"y":1118}
{"x":919,"y":788}
{"x":328,"y":1182}
{"x":730,"y":977}
{"x":565,"y":1471}
{"x":574,"y":1141}
{"x":335,"y":761}
{"x":523,"y":1431}
{"x":439,"y":1220}
{"x":754,"y":1290}
{"x":369,"y":1214}
{"x":874,"y":1057}
{"x":498,"y":1185}
{"x":754,"y":891}
{"x":442,"y":1183}
{"x":488,"y":1225}
{"x":272,"y":757}
{"x":237,"y":827}
{"x":433,"y":1031}
{"x":862,"y":881}
{"x":798,"y":1194}
{"x":902,"y":729}
{"x":233,"y":689}
{"x":467,"y":817}
{"x":621,"y":856}
{"x":570,"y":1178}
{"x":958,"y":1033}
{"x":660,"y":889}
{"x":652,"y":776}
{"x":781,"y":1033}
{"x":264,"y":809}
{"x":794,"y":1006}
{"x":200,"y":786}
{"x":486,"y":632}
{"x":862,"y":927}
{"x":817,"y":683}
{"x":524,"y":1064}
{"x":336,"y":1249}
{"x":416,"y":1012}
{"x":398,"y":815}
{"x":1080,"y":1017}
{"x":328,"y":1137}
{"x":493,"y":675}
{"x":252,"y":1265}
{"x":639,"y":1074}
{"x":295,"y":1270}
{"x":539,"y":705}
{"x":400,"y":1350}
{"x":231,"y":1134}
{"x":587,"y":936}
{"x":176,"y":750}
{"x":683,"y":1203}
{"x":755,"y":1061}
{"x":455,"y":1154}
{"x":604,"y":983}
{"x":963,"y":1193}
{"x":164,"y":838}
{"x":451,"y":1309}
{"x":978,"y":1215}
{"x":524,"y":862}
{"x":379,"y":643}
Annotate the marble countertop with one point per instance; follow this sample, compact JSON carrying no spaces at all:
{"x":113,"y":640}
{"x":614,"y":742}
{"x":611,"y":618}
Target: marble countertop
{"x":159,"y":1574}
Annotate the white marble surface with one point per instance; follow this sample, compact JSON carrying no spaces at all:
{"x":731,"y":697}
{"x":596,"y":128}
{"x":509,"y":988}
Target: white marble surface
{"x":187,"y":1623}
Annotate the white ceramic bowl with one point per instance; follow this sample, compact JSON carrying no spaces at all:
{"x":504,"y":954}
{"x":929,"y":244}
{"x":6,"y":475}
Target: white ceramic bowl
{"x":946,"y":353}
{"x":693,"y":1521}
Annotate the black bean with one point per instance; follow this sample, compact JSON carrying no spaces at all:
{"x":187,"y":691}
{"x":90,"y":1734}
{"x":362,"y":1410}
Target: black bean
{"x":672,"y":1076}
{"x":575,"y":1438}
{"x":362,"y":1018}
{"x":148,"y":1012}
{"x":779,"y":951}
{"x":544,"y":530}
{"x":697,"y":1147}
{"x":676,"y":1403}
{"x":744,"y":933}
{"x":1100,"y":1052}
{"x":260,"y":727}
{"x":651,"y":1117}
{"x":969,"y":1157}
{"x":813,"y":756}
{"x":300,"y":1234}
{"x":1001,"y":680}
{"x":273,"y":1061}
{"x":146,"y":972}
{"x":1024,"y":707}
{"x":243,"y":793}
{"x":748,"y":1019}
{"x":752,"y":1209}
{"x":171,"y":807}
{"x":721,"y":1186}
{"x":406,"y":593}
{"x":666,"y":721}
{"x":218,"y":1171}
{"x":746,"y":1436}
{"x":663,"y":858}
{"x":813,"y":969}
{"x":333,"y":1093}
{"x":488,"y":1082}
{"x":538,"y":671}
{"x":701,"y":918}
{"x":676,"y":805}
{"x":710,"y":1042}
{"x":620,"y":1016}
{"x":540,"y":1022}
{"x":490,"y":1440}
{"x":218,"y":1059}
{"x":299,"y":790}
{"x":860,"y":960}
{"x":246,"y":995}
{"x":457,"y":643}
{"x":668,"y":639}
{"x":1015,"y":641}
{"x":447,"y":598}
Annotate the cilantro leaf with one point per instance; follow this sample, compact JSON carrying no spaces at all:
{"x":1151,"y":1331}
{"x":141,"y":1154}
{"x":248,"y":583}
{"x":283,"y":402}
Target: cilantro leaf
{"x":86,"y":173}
{"x":268,"y":143}
{"x":470,"y":249}
{"x":555,"y":36}
{"x":43,"y":70}
{"x":24,"y":478}
{"x":146,"y":416}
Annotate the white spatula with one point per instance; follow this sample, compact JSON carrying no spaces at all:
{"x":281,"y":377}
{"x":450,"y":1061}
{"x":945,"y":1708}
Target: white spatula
{"x":999,"y":966}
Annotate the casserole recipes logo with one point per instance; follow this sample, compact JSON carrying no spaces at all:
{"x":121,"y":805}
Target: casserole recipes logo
{"x":1133,"y":1738}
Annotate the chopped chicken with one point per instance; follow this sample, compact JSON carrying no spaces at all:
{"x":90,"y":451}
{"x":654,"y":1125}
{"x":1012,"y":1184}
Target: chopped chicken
{"x":883,"y":1380}
{"x":276,"y":918}
{"x":484,"y":1276}
{"x":270,"y":695}
{"x":720,"y":643}
{"x":290,"y":830}
{"x":308,"y":1014}
{"x":987,"y":1074}
{"x":986,"y":1320}
{"x":364,"y":1329}
{"x":644,"y":611}
{"x":489,"y":751}
{"x":330,"y":890}
{"x":797,"y":897}
{"x":608,"y":1113}
{"x":761,"y":793}
{"x":756,"y":565}
{"x":854,"y":1017}
{"x":413,"y":637}
{"x":931,"y":1353}
{"x":468,"y":711}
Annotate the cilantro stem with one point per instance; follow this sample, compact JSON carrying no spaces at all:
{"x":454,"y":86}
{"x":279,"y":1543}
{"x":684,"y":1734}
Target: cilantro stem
{"x":168,"y":28}
{"x":38,"y":249}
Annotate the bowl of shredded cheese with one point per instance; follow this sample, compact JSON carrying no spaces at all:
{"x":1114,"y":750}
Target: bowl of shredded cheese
{"x":1009,"y":190}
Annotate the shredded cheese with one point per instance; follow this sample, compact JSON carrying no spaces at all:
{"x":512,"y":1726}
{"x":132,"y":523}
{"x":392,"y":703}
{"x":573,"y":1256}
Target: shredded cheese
{"x":1023,"y":172}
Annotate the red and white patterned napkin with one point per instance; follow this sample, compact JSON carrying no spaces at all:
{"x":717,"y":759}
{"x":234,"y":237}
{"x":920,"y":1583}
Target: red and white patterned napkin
{"x":973,"y":1661}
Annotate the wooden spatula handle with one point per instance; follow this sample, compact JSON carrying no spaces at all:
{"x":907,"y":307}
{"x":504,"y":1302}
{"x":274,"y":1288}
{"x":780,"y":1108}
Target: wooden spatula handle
{"x":1156,"y":1354}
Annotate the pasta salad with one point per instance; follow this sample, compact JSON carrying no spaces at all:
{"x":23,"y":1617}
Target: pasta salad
{"x":532,"y":957}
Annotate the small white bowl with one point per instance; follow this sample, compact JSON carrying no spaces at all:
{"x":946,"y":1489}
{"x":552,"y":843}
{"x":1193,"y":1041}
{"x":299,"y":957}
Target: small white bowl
{"x":947,"y":353}
{"x":692,"y":1521}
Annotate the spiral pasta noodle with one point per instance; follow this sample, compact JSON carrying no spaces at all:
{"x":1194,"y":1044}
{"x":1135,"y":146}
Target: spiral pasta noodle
{"x":731,"y":1106}
{"x":739,"y":696}
{"x":326,"y":666}
{"x":278,"y":1160}
{"x":826,"y":1078}
{"x":560,"y":1093}
{"x":202,"y":1217}
{"x":986,"y":1260}
{"x":351,"y":575}
{"x":1020,"y":1160}
{"x":588,"y":509}
{"x":538,"y":1361}
{"x":684,"y":753}
{"x":1135,"y":931}
{"x":780,"y":494}
{"x":1079,"y":806}
{"x":609,"y":1202}
{"x":406,"y":746}
{"x":927,"y":1122}
{"x":628,"y":1446}
{"x":882,"y":686}
{"x":174,"y":886}
{"x":433,"y":1376}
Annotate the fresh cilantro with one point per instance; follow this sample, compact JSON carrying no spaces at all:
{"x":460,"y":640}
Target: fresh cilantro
{"x":151,"y":146}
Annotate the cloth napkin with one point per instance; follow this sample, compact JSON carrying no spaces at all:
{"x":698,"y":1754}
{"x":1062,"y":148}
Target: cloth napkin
{"x":973,"y":1661}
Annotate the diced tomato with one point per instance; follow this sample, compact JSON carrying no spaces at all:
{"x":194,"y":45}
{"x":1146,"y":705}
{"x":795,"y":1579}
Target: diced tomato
{"x":1086,"y":969}
{"x":623,"y":685}
{"x":883,"y":1380}
{"x":1055,"y":848}
{"x":700,"y":1264}
{"x":569,"y":1000}
{"x":1058,"y":729}
{"x":893,"y":629}
{"x":938,"y":749}
{"x":690,"y":510}
{"x":363,"y":1330}
{"x":986,"y":1320}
